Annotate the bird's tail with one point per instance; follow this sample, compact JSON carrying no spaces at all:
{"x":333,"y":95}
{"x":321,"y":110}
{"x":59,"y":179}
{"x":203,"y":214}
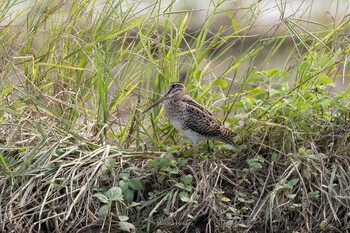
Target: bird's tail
{"x":228,"y":136}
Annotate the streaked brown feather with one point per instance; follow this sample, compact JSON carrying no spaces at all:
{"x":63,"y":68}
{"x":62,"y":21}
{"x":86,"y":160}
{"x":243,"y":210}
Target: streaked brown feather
{"x":191,"y":118}
{"x":202,"y":121}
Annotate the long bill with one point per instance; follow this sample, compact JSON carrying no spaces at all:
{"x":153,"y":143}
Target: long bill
{"x":156,"y":103}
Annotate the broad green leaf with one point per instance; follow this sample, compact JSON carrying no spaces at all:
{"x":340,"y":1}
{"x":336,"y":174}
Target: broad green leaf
{"x":173,"y":170}
{"x":255,"y":78}
{"x":281,"y":75}
{"x":128,"y":195}
{"x":296,"y":206}
{"x":181,"y":162}
{"x":103,"y":211}
{"x":292,"y":182}
{"x":135,"y":184}
{"x":222,"y":83}
{"x":313,"y":195}
{"x":321,"y":62}
{"x":108,"y":165}
{"x":271,"y":72}
{"x":184,"y":197}
{"x":180,"y":185}
{"x":275,"y":157}
{"x":256,"y":162}
{"x":325,"y":80}
{"x":197,"y":74}
{"x":152,"y":163}
{"x":115,"y":194}
{"x":323,"y":224}
{"x":125,"y":175}
{"x":306,"y":173}
{"x":187,"y":179}
{"x":123,"y":185}
{"x":348,"y":89}
{"x":195,"y":197}
{"x":166,"y":210}
{"x":225,"y":199}
{"x":102,"y":198}
{"x":228,"y":147}
{"x":238,"y":104}
{"x":123,"y":218}
{"x":5,"y":91}
{"x":126,"y":227}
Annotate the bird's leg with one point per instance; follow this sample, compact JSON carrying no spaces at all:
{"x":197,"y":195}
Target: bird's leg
{"x":209,"y":149}
{"x":195,"y":153}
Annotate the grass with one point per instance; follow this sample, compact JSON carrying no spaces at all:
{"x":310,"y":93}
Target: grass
{"x":77,"y":155}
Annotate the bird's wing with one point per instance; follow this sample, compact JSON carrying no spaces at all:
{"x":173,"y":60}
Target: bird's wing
{"x":188,"y":100}
{"x":201,"y":121}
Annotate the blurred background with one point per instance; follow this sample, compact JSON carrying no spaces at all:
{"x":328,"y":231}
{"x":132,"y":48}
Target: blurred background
{"x":249,"y":22}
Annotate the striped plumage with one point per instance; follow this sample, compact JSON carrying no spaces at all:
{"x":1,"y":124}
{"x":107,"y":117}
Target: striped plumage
{"x":192,"y":119}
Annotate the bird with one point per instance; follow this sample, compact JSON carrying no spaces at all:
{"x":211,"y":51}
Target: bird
{"x":193,"y":120}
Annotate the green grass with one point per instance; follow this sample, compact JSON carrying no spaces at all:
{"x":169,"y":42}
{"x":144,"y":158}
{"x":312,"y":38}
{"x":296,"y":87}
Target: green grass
{"x":77,"y":155}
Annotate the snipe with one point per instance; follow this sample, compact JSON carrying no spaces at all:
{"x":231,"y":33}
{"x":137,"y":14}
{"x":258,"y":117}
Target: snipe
{"x":191,"y":118}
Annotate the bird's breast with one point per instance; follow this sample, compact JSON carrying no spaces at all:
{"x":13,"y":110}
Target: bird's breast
{"x":180,"y":125}
{"x":174,"y":110}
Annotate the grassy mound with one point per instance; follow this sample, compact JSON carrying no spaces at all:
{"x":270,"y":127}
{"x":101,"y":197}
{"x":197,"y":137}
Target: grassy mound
{"x":77,"y":155}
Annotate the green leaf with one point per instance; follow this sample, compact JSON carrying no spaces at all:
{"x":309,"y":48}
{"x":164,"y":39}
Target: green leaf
{"x":233,"y":21}
{"x":306,"y":173}
{"x":222,"y":83}
{"x":166,"y":211}
{"x":125,"y":175}
{"x":292,"y":182}
{"x":296,"y":206}
{"x":314,"y":195}
{"x":256,"y":162}
{"x":325,"y":80}
{"x":134,"y":204}
{"x":174,"y":171}
{"x":181,"y":162}
{"x":271,"y":72}
{"x":135,"y":184}
{"x":275,"y":157}
{"x":323,"y":224}
{"x":123,"y":185}
{"x":127,"y":227}
{"x":348,"y":89}
{"x":255,"y":78}
{"x":152,"y":163}
{"x":5,"y":91}
{"x":109,"y":165}
{"x":102,"y":198}
{"x":228,"y":147}
{"x":123,"y":218}
{"x":321,"y":62}
{"x":103,"y":211}
{"x":239,"y":104}
{"x":197,"y":74}
{"x":195,"y":197}
{"x":225,"y":199}
{"x":128,"y":195}
{"x":180,"y":185}
{"x":115,"y":194}
{"x":187,"y":179}
{"x":280,"y":75}
{"x":184,"y":197}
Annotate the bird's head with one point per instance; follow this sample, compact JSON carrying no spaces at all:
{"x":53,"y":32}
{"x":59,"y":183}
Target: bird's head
{"x":176,"y":90}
